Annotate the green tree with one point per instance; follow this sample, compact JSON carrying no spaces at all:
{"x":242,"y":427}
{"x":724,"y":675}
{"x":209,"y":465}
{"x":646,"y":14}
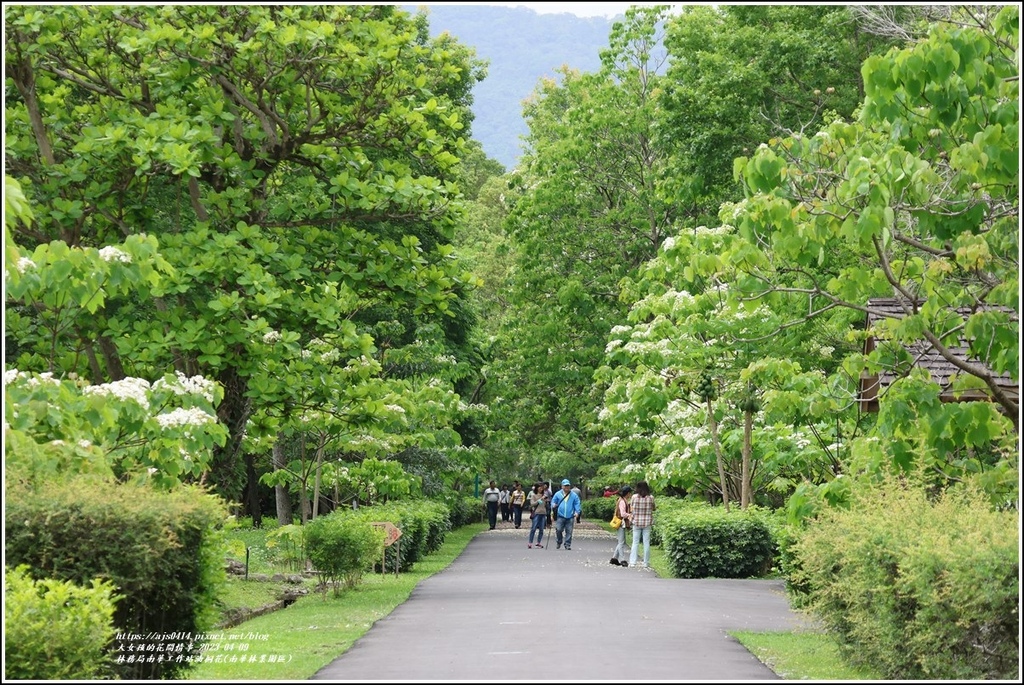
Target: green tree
{"x":584,"y":215}
{"x":55,"y":429}
{"x":918,"y":198}
{"x":739,"y":75}
{"x":296,"y":164}
{"x":714,"y":396}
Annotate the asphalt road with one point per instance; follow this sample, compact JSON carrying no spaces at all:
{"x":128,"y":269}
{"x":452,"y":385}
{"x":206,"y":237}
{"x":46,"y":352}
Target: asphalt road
{"x":504,"y":612}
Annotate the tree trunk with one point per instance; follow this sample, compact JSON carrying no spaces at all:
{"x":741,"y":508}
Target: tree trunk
{"x":115,"y":371}
{"x":303,"y":499}
{"x":24,"y":77}
{"x":227,"y":471}
{"x":745,"y":489}
{"x":316,"y":478}
{"x":253,"y":492}
{"x":718,"y":454}
{"x":283,"y":500}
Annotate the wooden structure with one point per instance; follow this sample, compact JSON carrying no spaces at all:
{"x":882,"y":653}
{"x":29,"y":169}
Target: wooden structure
{"x":925,"y":355}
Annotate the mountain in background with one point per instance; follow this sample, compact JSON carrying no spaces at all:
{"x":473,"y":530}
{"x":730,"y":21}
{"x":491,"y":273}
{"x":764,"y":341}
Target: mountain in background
{"x":521,"y":48}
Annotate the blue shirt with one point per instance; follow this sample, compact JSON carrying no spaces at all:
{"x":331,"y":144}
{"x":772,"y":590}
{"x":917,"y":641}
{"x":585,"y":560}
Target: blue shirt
{"x":567,"y":506}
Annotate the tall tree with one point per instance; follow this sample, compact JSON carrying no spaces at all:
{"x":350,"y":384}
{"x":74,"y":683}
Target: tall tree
{"x":917,"y":199}
{"x":297,"y":165}
{"x":585,"y":214}
{"x":742,"y":74}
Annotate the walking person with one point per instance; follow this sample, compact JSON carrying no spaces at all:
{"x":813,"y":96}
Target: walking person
{"x":622,"y":511}
{"x":566,"y":508}
{"x":506,"y":512}
{"x":517,"y":499}
{"x":579,"y":493}
{"x":641,"y":516}
{"x":547,"y":496}
{"x":538,"y":515}
{"x":491,"y":496}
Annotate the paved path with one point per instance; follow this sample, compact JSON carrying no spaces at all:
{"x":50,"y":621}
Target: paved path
{"x":504,"y":612}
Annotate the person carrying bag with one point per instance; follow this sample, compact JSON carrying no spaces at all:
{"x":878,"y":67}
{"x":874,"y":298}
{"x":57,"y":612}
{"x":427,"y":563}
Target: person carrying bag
{"x":620,"y":521}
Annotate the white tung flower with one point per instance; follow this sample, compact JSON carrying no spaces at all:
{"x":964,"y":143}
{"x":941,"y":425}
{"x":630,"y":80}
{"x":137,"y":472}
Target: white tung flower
{"x":271,"y":337}
{"x":135,"y":389}
{"x":194,"y":385}
{"x":113,"y":254}
{"x":184,"y":417}
{"x":24,"y":264}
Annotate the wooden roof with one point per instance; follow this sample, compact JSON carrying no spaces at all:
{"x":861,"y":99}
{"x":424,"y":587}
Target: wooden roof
{"x":925,"y":355}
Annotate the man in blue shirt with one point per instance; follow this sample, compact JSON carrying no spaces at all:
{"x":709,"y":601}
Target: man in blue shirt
{"x":565,"y":507}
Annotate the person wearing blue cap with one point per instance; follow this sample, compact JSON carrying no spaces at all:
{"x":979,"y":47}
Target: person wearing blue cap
{"x":566,"y":508}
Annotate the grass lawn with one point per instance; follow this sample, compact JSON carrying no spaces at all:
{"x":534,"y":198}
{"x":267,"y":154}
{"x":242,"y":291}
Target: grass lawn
{"x":317,"y":629}
{"x":801,"y":656}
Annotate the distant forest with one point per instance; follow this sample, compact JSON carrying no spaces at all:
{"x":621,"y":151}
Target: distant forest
{"x":521,"y":47}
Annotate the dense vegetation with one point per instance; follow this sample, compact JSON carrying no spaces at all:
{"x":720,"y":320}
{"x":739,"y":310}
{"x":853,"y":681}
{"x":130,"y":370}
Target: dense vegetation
{"x":255,"y":262}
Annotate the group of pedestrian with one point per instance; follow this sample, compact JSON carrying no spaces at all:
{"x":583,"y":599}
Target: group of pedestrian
{"x":563,"y":509}
{"x":637,"y":514}
{"x":509,"y":502}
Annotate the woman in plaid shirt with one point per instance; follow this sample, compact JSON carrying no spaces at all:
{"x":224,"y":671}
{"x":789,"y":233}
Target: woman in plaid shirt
{"x":641,"y":515}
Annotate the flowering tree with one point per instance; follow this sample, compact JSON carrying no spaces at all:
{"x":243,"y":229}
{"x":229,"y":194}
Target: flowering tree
{"x":161,"y":433}
{"x":298,"y":165}
{"x":695,"y":399}
{"x":917,"y":198}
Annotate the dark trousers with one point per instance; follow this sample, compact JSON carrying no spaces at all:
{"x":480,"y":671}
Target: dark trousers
{"x":492,"y":513}
{"x":505,"y":516}
{"x":517,"y":514}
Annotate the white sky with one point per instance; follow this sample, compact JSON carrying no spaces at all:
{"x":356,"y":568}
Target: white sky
{"x":580,"y":9}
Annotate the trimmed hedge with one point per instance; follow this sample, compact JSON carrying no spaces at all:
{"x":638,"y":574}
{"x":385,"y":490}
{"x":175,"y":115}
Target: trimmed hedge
{"x":342,"y":548}
{"x":704,"y":541}
{"x":919,"y":589}
{"x":462,"y":509}
{"x":56,"y":630}
{"x":599,"y":508}
{"x":162,"y":550}
{"x":424,"y":525}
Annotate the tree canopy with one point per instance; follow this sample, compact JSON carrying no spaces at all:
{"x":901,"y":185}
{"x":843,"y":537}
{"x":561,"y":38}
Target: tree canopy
{"x":297,"y":166}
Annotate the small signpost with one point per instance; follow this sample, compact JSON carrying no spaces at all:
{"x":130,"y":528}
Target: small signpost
{"x":392,"y":533}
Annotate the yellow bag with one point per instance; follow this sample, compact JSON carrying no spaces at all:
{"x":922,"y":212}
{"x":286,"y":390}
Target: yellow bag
{"x":616,"y":521}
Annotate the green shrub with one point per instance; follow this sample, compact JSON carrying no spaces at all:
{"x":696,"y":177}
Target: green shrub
{"x":599,"y":508}
{"x":920,"y":589}
{"x":342,"y":548}
{"x":412,"y":546}
{"x":702,"y":541}
{"x":285,"y":546}
{"x":462,"y":509}
{"x":163,"y":551}
{"x":438,"y":521}
{"x":56,"y":630}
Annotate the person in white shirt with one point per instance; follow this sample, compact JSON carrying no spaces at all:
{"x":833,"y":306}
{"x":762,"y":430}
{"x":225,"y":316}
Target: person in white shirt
{"x":491,"y":497}
{"x":503,"y":503}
